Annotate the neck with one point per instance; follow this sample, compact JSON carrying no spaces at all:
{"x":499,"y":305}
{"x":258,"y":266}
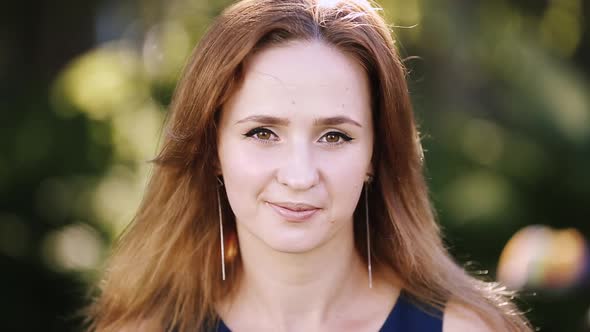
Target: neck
{"x":300,"y":288}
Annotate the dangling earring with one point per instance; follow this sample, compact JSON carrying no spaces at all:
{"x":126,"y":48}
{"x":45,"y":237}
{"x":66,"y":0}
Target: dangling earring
{"x":366,"y":186}
{"x":221,"y":231}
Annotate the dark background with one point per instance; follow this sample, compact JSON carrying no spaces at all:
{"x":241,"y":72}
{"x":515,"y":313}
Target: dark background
{"x":500,"y":88}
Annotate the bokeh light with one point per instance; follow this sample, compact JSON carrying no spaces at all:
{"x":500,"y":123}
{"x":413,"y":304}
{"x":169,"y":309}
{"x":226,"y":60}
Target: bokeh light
{"x":165,"y":49}
{"x":477,"y":196}
{"x":560,"y":28}
{"x":540,"y":257}
{"x":117,"y":195}
{"x":76,"y":247}
{"x":101,"y":82}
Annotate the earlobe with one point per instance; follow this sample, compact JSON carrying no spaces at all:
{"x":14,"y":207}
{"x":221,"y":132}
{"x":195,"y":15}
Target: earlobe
{"x":217,"y":167}
{"x":369,"y":175}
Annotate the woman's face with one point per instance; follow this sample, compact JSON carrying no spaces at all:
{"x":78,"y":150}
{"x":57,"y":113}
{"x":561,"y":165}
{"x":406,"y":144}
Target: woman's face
{"x":297,"y":135}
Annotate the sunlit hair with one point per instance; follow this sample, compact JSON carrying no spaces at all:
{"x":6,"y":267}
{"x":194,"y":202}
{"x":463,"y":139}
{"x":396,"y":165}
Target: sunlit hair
{"x":165,"y":271}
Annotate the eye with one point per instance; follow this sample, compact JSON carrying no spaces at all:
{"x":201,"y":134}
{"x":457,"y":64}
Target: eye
{"x":335,"y":137}
{"x":260,"y":133}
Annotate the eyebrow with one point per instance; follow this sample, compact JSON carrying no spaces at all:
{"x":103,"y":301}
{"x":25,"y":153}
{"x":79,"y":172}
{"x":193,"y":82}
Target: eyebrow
{"x":272,"y":120}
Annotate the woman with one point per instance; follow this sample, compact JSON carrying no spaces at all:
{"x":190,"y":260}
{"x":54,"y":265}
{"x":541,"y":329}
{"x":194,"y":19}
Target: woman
{"x":288,"y":194}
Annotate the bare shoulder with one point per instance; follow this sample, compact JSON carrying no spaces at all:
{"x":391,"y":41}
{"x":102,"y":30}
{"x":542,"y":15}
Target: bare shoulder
{"x":459,"y":317}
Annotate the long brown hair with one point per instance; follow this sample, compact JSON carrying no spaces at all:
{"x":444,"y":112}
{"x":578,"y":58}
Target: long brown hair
{"x":165,"y":270}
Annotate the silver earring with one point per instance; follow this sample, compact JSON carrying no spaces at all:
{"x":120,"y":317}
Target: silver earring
{"x":221,"y":231}
{"x":369,"y":179}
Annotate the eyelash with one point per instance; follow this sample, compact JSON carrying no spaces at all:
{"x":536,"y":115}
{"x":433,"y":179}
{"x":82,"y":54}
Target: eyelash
{"x":251,"y":134}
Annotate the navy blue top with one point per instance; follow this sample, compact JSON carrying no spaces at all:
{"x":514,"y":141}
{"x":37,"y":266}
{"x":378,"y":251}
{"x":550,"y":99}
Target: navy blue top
{"x":404,"y":317}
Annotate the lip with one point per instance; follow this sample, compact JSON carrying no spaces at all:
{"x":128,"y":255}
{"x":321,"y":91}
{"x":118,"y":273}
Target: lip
{"x":286,"y":210}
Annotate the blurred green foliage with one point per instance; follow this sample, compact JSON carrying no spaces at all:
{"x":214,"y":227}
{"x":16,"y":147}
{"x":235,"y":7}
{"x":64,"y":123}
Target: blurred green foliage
{"x":500,"y":88}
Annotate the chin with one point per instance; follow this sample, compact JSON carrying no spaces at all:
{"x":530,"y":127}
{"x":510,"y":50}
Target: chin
{"x":294,"y":249}
{"x":293,"y":243}
{"x":292,"y":238}
{"x":282,"y":236}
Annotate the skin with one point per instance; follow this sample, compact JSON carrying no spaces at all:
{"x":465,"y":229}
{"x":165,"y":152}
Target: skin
{"x":301,"y":276}
{"x":298,"y":161}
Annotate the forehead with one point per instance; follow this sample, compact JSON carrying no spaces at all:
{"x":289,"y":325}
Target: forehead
{"x":302,"y":78}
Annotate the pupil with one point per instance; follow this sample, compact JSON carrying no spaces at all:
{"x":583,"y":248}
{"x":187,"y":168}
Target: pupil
{"x":332,"y":138}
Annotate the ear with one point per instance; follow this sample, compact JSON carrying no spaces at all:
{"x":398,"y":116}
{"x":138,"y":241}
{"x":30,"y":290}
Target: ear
{"x":370,"y":173}
{"x":216,"y":167}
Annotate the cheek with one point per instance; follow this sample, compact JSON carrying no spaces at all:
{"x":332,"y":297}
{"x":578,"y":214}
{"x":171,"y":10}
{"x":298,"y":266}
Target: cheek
{"x":241,"y":163}
{"x":245,"y":173}
{"x":345,"y":168}
{"x":344,"y":174}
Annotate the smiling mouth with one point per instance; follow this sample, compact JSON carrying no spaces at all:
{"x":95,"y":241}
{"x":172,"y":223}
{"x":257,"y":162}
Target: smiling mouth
{"x":296,"y":213}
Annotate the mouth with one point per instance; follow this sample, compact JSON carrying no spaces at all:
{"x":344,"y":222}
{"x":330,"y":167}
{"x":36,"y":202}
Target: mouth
{"x":294,"y":212}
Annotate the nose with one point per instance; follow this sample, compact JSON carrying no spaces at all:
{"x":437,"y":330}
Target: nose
{"x":298,"y":170}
